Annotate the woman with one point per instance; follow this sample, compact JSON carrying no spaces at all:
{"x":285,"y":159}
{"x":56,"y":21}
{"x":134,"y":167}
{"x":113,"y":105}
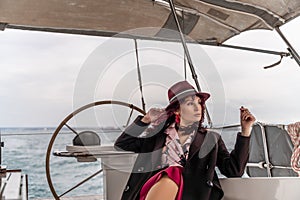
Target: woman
{"x":177,"y":155}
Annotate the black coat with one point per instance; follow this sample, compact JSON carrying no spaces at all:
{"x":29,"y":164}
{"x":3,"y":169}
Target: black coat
{"x":199,"y":176}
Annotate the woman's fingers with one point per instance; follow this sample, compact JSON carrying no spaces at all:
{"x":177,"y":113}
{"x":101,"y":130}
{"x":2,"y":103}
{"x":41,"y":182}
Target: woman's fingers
{"x":246,"y":115}
{"x":155,"y":113}
{"x":247,"y":120}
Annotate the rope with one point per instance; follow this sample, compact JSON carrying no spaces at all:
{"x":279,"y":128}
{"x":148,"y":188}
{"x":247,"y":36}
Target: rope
{"x":294,"y":133}
{"x":275,"y":64}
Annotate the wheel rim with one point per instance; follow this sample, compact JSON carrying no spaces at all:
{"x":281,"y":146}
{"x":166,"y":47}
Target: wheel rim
{"x":70,"y":116}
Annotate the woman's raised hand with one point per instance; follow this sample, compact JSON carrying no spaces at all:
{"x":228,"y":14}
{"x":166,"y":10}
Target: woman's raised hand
{"x":152,"y":115}
{"x":247,"y":120}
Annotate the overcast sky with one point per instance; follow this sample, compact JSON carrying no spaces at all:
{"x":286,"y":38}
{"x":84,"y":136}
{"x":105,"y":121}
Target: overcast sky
{"x":46,"y":76}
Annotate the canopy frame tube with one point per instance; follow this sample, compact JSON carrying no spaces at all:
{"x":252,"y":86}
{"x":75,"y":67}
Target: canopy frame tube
{"x":188,"y":56}
{"x":293,"y":52}
{"x":4,"y":26}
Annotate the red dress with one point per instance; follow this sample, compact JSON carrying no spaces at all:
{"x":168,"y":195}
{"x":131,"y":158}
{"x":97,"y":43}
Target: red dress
{"x":173,"y":155}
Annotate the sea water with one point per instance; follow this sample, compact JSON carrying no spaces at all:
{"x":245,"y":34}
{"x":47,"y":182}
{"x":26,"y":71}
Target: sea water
{"x":25,"y":149}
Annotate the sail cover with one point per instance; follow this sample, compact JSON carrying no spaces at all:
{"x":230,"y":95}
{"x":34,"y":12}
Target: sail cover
{"x":278,"y":149}
{"x":203,"y":20}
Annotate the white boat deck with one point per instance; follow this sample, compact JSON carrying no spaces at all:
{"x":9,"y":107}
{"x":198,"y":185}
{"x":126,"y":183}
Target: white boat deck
{"x":13,"y":185}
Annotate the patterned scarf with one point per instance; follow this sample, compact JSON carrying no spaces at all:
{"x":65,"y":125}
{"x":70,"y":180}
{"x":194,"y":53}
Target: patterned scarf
{"x":173,"y":153}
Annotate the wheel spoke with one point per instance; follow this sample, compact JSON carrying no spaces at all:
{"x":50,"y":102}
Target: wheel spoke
{"x":64,"y":123}
{"x":71,"y":128}
{"x":130,"y":115}
{"x":80,"y":183}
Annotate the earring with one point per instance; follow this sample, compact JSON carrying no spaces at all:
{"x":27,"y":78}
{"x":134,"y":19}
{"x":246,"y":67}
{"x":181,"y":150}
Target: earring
{"x":177,"y":118}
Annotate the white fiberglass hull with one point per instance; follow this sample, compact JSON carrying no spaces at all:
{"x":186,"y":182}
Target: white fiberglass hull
{"x":261,"y":188}
{"x":254,"y":188}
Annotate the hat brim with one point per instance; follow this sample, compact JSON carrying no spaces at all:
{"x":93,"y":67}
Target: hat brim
{"x":203,"y":96}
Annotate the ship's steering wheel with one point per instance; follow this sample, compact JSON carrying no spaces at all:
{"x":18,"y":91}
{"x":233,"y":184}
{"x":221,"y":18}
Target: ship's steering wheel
{"x":64,"y":123}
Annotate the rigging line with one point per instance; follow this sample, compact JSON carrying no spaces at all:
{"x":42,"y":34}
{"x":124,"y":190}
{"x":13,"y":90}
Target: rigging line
{"x":184,"y":65}
{"x":274,"y":64}
{"x":184,"y":56}
{"x":85,"y":180}
{"x":194,"y":75}
{"x":25,"y":134}
{"x":139,"y":75}
{"x":187,"y":53}
{"x":130,"y":115}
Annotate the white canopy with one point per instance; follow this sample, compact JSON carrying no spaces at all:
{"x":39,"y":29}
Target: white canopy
{"x":203,"y":20}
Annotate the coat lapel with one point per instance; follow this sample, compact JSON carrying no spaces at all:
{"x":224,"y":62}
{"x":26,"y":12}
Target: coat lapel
{"x":156,"y":154}
{"x":197,"y":143}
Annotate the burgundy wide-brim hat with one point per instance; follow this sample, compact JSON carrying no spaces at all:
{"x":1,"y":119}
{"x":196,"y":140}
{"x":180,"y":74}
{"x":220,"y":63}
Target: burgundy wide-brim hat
{"x":181,"y":90}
